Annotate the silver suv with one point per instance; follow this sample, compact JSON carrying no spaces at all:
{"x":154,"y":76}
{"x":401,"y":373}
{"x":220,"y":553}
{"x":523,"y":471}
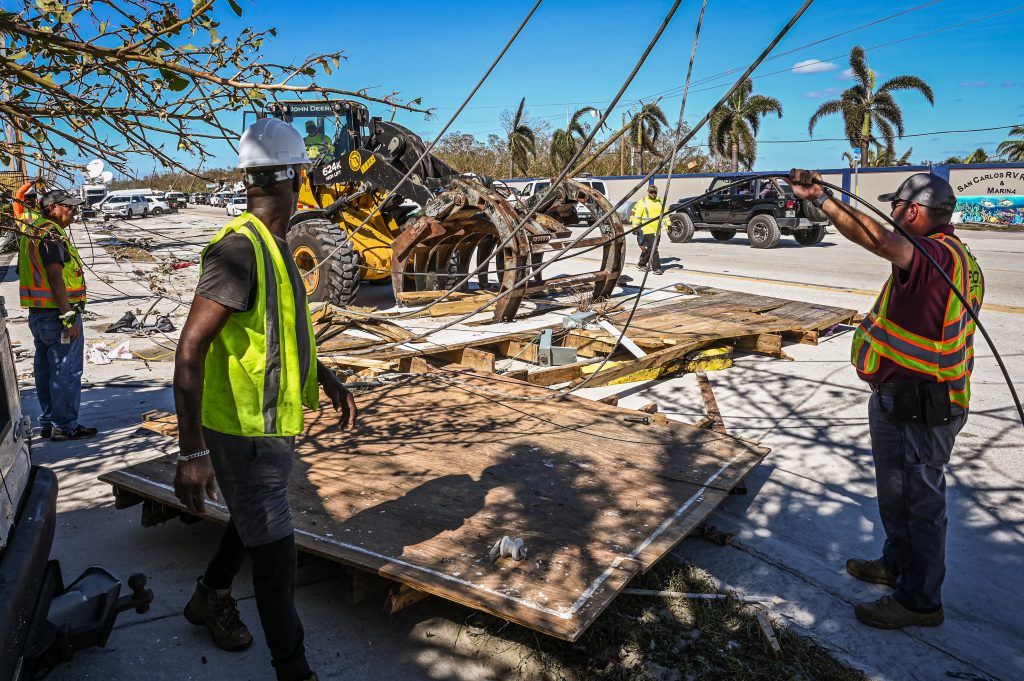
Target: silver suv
{"x":126,"y":207}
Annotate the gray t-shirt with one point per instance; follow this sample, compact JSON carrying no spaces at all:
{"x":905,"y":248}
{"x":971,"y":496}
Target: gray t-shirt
{"x":229,"y":278}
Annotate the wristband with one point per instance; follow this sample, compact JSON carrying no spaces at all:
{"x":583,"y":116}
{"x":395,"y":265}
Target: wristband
{"x":820,"y":201}
{"x":182,"y":458}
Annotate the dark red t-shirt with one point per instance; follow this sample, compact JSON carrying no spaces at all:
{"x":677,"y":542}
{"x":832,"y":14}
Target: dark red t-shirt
{"x":917,"y":302}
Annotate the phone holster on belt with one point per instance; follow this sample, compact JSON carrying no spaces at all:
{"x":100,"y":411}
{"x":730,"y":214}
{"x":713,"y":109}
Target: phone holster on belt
{"x":926,"y":403}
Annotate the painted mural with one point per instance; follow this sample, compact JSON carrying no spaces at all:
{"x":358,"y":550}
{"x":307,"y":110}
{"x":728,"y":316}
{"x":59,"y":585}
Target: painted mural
{"x":1005,"y":210}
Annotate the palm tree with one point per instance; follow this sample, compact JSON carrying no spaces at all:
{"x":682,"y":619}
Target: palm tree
{"x":863,"y":106}
{"x":735,"y":125}
{"x":880,"y":158}
{"x":979,"y":155}
{"x":563,"y":144}
{"x":521,"y":141}
{"x":1013,"y":150}
{"x":645,"y":129}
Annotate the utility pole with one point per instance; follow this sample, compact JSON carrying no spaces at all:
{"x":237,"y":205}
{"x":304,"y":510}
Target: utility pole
{"x":622,"y":148}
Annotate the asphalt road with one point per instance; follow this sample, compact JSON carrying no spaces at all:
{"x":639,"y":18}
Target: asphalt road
{"x":811,"y":504}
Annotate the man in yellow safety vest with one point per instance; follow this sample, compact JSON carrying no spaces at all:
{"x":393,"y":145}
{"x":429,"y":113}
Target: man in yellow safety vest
{"x":915,"y":349}
{"x":245,"y":367}
{"x":52,"y":287}
{"x":318,"y":145}
{"x":647,"y":212}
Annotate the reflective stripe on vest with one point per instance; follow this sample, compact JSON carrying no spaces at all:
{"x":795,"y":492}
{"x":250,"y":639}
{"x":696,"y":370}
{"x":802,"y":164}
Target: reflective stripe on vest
{"x":253,"y":382}
{"x":948,"y":359}
{"x":34,"y":285}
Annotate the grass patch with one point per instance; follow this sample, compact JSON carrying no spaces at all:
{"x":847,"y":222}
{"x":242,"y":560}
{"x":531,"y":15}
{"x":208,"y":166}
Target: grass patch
{"x":672,"y":639}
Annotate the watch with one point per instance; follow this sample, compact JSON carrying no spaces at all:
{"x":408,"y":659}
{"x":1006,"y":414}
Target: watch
{"x":820,"y":201}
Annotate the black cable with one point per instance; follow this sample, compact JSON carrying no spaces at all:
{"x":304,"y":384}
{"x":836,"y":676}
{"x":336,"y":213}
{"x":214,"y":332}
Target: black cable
{"x":657,"y":168}
{"x":657,"y":233}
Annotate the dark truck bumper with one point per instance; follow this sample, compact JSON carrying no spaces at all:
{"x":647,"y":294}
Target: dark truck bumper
{"x":788,"y":223}
{"x":26,"y":576}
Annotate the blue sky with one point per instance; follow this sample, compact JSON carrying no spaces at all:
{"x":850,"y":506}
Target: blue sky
{"x":574,"y":53}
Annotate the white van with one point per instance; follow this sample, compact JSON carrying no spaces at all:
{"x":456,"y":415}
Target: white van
{"x":582,"y":212}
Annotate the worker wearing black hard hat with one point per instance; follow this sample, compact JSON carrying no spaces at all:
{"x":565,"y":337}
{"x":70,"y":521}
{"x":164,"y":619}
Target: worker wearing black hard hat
{"x":915,"y":351}
{"x":52,"y":287}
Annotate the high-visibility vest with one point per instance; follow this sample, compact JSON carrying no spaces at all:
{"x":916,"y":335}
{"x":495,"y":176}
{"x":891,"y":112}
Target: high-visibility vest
{"x":647,"y":209}
{"x":253,"y":382}
{"x":322,"y":144}
{"x":34,"y":286}
{"x":947,"y":359}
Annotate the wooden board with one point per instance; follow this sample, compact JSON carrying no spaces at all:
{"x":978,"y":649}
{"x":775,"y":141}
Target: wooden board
{"x":443,"y":465}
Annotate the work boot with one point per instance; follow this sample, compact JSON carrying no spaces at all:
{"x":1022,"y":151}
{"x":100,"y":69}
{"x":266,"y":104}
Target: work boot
{"x":76,"y":433}
{"x":888,"y":613}
{"x":219,"y":614}
{"x":45,"y":432}
{"x":873,"y":571}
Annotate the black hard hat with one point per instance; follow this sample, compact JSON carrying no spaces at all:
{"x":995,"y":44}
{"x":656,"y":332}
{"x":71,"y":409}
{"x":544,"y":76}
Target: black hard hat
{"x":924,"y":189}
{"x":56,"y":197}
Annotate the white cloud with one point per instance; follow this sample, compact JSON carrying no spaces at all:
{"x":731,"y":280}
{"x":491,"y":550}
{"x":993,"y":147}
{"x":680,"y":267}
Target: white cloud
{"x":814,"y":66}
{"x":822,"y":94}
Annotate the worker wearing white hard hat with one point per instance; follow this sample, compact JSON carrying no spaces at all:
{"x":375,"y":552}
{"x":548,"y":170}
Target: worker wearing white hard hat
{"x":245,"y":368}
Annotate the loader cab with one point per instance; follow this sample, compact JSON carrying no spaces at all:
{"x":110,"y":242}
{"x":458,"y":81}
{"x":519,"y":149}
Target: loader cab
{"x":330,"y":129}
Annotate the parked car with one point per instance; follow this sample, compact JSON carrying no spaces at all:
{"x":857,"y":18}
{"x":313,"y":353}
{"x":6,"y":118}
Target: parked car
{"x":508,"y":192}
{"x":126,"y":207}
{"x":583,"y":213}
{"x":766,"y":209}
{"x":42,"y":621}
{"x":236,"y":205}
{"x":220,"y":199}
{"x":175,"y":200}
{"x":157,"y":206}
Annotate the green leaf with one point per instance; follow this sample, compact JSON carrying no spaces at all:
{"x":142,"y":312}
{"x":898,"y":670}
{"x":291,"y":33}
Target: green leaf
{"x":17,"y":55}
{"x":327,"y":67}
{"x":236,"y":7}
{"x":175,"y":82}
{"x":65,"y":17}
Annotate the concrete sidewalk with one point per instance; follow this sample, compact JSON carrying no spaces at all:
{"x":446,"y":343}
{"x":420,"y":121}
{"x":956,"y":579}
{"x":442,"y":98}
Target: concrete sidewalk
{"x":810,"y":506}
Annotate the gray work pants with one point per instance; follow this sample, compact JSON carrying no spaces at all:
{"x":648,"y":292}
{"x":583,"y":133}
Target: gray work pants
{"x":911,"y":483}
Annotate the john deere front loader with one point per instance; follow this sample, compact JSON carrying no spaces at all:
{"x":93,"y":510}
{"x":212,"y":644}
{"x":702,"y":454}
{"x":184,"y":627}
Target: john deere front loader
{"x":424,"y":237}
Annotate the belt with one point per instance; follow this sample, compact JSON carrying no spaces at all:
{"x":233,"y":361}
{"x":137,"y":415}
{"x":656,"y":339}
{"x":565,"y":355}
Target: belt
{"x":883,"y":388}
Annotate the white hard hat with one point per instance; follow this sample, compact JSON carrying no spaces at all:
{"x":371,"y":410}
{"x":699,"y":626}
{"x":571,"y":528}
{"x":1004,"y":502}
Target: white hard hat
{"x":271,"y":142}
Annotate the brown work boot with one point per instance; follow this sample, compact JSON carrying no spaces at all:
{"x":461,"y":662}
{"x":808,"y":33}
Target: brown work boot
{"x":219,"y":614}
{"x":888,"y":613}
{"x":873,"y":571}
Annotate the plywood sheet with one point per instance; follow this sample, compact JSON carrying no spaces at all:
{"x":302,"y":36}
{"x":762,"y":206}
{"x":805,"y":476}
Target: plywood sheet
{"x":443,"y":465}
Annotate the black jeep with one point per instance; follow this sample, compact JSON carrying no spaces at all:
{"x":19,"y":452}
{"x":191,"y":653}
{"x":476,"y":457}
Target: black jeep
{"x":765,"y":208}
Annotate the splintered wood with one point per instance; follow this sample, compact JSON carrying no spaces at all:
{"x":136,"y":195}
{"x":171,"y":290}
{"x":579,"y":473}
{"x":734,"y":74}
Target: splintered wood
{"x":441,"y":466}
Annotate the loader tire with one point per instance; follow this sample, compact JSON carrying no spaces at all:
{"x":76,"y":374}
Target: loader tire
{"x":313,"y":241}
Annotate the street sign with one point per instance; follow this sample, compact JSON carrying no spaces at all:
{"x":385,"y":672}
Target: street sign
{"x":856,"y":154}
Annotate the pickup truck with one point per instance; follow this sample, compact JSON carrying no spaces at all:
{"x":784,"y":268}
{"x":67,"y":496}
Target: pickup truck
{"x":766,"y":209}
{"x":42,"y":621}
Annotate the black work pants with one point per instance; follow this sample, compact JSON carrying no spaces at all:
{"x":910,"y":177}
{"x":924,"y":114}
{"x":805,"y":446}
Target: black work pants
{"x":649,"y":252}
{"x":273,"y":580}
{"x":910,"y":462}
